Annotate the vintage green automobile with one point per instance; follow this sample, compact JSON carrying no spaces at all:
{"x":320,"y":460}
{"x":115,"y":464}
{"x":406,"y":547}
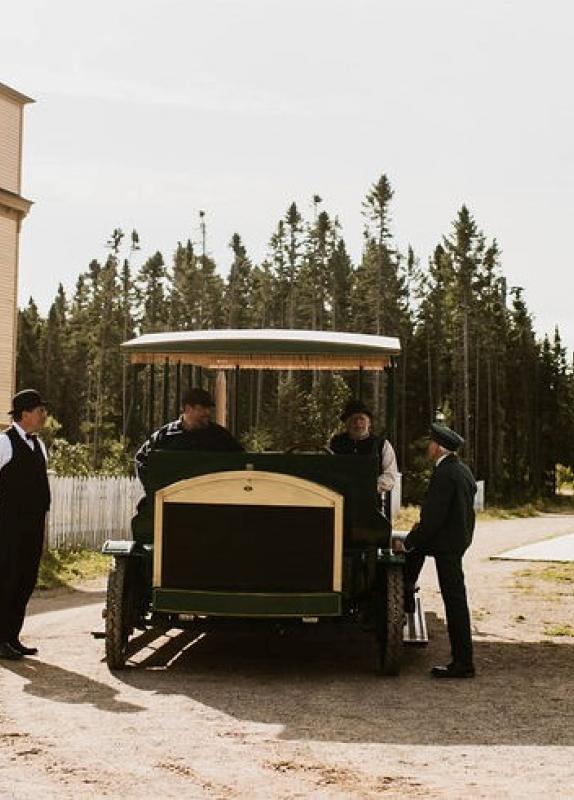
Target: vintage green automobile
{"x":290,"y":538}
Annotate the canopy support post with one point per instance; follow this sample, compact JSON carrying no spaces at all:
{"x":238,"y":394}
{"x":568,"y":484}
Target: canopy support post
{"x":151,"y":395}
{"x":165,"y":413}
{"x":177,"y":401}
{"x":236,"y":402}
{"x":360,"y":376}
{"x":221,"y":397}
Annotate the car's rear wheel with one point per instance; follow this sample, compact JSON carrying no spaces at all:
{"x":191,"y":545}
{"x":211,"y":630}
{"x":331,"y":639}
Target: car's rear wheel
{"x":390,"y":605}
{"x":120,"y":612}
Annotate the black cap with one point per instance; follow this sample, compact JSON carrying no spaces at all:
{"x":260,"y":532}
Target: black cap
{"x":197,"y":397}
{"x":446,"y":437}
{"x":355,"y":407}
{"x":26,"y":400}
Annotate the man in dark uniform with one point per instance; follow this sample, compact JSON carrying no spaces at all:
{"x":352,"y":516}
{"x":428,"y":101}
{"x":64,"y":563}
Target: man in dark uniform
{"x":24,"y":501}
{"x":445,"y":532}
{"x":358,"y":439}
{"x":194,"y":430}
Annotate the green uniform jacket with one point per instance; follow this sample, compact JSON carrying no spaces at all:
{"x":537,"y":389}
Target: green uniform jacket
{"x":447,"y":512}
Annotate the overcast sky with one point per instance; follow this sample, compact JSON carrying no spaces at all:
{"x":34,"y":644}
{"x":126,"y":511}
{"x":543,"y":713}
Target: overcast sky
{"x":149,"y":110}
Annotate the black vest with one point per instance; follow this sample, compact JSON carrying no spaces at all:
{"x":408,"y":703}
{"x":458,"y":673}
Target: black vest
{"x":24,"y":487}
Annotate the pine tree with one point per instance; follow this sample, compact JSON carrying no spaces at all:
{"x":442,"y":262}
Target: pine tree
{"x":150,"y":283}
{"x":238,"y":290}
{"x":465,"y":246}
{"x":29,"y":361}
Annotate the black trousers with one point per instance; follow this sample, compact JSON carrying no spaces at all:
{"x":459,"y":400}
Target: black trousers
{"x":453,"y":591}
{"x":21,"y":543}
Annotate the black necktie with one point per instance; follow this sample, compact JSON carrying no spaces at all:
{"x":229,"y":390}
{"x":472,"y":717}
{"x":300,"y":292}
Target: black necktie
{"x":30,"y":437}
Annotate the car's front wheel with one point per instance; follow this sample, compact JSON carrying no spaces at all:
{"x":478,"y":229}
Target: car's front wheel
{"x":390,"y":611}
{"x":120,"y":612}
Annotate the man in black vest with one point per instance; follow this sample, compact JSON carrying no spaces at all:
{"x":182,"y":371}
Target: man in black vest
{"x":24,"y":501}
{"x":445,"y":532}
{"x":358,"y":439}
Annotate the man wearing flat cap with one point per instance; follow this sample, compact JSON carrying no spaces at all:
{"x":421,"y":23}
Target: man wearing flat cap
{"x":358,"y":439}
{"x":24,"y":501}
{"x":193,"y":430}
{"x":445,"y":532}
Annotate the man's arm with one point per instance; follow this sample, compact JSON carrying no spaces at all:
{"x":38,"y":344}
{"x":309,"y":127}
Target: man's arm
{"x":389,"y":468}
{"x":142,"y":456}
{"x":5,"y":450}
{"x":231,"y":443}
{"x":434,"y":512}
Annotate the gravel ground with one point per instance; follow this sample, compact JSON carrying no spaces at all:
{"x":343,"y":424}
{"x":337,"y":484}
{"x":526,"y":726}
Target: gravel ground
{"x":304,"y":715}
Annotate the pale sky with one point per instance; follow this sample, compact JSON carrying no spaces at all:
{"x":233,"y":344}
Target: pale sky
{"x":149,"y":110}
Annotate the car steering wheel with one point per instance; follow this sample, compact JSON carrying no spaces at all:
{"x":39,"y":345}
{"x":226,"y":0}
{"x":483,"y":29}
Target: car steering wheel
{"x":306,"y":447}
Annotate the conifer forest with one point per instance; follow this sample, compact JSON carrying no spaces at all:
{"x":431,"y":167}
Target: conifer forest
{"x":469,"y":350}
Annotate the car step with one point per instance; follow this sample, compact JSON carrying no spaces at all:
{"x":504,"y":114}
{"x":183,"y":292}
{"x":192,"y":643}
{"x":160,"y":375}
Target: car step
{"x":415,"y":628}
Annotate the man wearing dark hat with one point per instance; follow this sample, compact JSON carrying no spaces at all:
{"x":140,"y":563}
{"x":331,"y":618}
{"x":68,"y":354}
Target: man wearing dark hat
{"x":445,"y":532}
{"x":358,"y":439}
{"x":24,"y":501}
{"x":194,"y":430}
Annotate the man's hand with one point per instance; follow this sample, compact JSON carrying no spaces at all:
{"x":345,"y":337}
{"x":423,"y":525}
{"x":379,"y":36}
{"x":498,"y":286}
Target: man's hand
{"x":397,"y":545}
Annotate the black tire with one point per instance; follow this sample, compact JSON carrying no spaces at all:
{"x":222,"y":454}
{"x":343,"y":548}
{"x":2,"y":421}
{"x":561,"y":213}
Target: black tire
{"x":390,"y":619}
{"x":120,"y":608}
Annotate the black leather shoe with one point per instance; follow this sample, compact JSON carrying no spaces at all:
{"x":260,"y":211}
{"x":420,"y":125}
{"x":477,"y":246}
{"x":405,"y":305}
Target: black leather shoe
{"x":454,"y":671}
{"x":22,"y":649}
{"x":8,"y":652}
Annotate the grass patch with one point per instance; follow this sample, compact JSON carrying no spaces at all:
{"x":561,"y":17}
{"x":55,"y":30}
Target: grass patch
{"x":561,"y":576}
{"x":67,"y":568}
{"x":559,"y":630}
{"x":560,"y":504}
{"x":513,"y":512}
{"x":555,"y":573}
{"x":406,"y":518}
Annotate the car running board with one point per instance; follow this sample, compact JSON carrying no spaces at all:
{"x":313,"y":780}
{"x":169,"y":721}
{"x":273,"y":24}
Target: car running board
{"x":415,"y":628}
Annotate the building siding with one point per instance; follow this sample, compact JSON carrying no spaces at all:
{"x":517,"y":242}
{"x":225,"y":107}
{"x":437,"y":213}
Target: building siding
{"x":10,"y":141}
{"x":8,"y":277}
{"x":13,"y":208}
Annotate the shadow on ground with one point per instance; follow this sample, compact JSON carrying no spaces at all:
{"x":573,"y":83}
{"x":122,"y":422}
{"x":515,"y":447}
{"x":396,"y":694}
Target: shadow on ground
{"x":63,"y":598}
{"x":65,"y":686}
{"x":322,"y":684}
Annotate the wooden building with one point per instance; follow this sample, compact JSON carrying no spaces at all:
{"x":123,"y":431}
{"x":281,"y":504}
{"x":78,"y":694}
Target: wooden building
{"x":13,"y":209}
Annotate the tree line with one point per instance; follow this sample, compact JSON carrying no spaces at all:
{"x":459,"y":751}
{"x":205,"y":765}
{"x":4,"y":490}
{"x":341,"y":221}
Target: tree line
{"x":469,"y":351}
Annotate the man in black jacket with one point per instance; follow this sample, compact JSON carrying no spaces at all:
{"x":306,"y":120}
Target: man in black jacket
{"x":24,"y":501}
{"x":445,"y":532}
{"x":193,"y":430}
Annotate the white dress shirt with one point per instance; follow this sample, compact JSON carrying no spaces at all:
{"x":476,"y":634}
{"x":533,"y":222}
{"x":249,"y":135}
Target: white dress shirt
{"x":6,"y":451}
{"x":390,"y":469}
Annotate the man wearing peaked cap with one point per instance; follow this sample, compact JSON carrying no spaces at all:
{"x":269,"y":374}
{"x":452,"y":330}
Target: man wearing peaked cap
{"x":24,"y":501}
{"x":445,"y":532}
{"x":446,"y":437}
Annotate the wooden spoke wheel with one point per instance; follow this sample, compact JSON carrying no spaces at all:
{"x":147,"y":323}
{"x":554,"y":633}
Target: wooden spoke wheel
{"x":390,"y":610}
{"x":120,"y":612}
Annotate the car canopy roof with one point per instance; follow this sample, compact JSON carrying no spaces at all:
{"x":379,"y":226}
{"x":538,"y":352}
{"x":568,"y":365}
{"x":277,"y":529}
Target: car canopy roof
{"x":265,"y":349}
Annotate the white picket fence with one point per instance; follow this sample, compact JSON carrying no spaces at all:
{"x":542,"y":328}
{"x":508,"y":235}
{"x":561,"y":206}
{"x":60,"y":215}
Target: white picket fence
{"x":87,"y":511}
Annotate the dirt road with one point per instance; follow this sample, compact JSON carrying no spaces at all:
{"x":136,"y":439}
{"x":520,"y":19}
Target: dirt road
{"x":299,"y":716}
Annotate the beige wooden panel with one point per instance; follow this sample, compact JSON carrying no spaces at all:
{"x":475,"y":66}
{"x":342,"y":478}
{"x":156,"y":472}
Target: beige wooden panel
{"x":10,"y":139}
{"x":276,"y":361}
{"x":8,"y":251}
{"x":250,"y":487}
